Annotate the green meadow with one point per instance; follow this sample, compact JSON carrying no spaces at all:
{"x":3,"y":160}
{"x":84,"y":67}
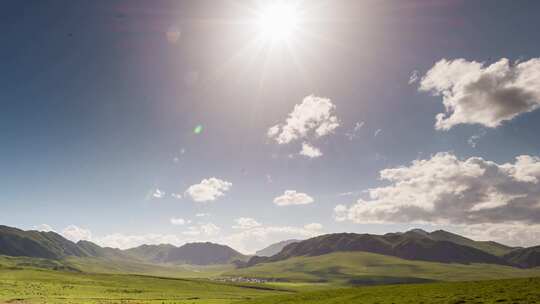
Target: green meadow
{"x":478,"y":292}
{"x":363,"y":268}
{"x":333,"y":278}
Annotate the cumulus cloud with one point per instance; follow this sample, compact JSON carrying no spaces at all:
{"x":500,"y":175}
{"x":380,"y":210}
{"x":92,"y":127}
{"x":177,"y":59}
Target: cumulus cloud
{"x":476,"y":93}
{"x":291,"y":197}
{"x":310,"y":151}
{"x":176,"y":195}
{"x":75,"y":233}
{"x":208,"y":189}
{"x":313,"y":117}
{"x":446,"y":190}
{"x":246,"y":223}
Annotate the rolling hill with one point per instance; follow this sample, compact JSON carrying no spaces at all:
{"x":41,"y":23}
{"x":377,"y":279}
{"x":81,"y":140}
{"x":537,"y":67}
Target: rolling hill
{"x":50,"y":245}
{"x":525,"y":257}
{"x":412,"y":245}
{"x":191,"y":253}
{"x":370,"y":268}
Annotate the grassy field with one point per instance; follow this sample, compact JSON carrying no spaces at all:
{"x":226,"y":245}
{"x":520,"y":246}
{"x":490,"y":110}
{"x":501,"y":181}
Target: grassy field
{"x":302,"y":280}
{"x":368,"y":268}
{"x":49,"y":286}
{"x":500,"y":291}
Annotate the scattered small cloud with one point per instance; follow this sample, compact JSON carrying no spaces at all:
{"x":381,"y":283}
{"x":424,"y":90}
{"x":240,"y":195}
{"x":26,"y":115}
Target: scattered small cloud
{"x":179,"y":221}
{"x":202,"y":214}
{"x":354,"y":132}
{"x":291,"y":197}
{"x":377,"y":132}
{"x":415,"y":75}
{"x":158,"y":194}
{"x":208,"y":190}
{"x":473,"y":140}
{"x":208,"y":229}
{"x":269,"y":178}
{"x":310,"y":151}
{"x":176,"y":195}
{"x":246,"y":223}
{"x":475,"y":93}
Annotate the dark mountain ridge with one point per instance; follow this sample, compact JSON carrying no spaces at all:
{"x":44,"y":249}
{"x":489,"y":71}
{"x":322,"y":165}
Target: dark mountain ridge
{"x":438,"y":246}
{"x":51,"y":245}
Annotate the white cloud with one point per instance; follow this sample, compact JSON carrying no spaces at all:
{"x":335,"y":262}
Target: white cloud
{"x":473,"y":140}
{"x":357,"y":126}
{"x":313,"y":227}
{"x":202,"y":214}
{"x":474,"y":93}
{"x":75,"y":233}
{"x":208,"y":190}
{"x":291,"y":197}
{"x":246,"y":223}
{"x":512,"y":233}
{"x":250,"y":240}
{"x":158,"y":194}
{"x":179,"y":221}
{"x":123,"y":241}
{"x":310,"y":151}
{"x":208,"y":229}
{"x":44,"y":228}
{"x":447,"y":190}
{"x":176,"y":195}
{"x":377,"y":132}
{"x":414,"y":77}
{"x":313,"y":117}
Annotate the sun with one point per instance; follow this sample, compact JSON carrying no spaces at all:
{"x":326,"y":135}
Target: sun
{"x":278,"y":22}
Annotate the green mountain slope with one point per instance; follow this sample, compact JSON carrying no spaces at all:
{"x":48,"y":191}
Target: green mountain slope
{"x":490,"y":247}
{"x":191,"y":253}
{"x":410,"y":245}
{"x":351,"y":267}
{"x":525,"y":257}
{"x":17,"y":242}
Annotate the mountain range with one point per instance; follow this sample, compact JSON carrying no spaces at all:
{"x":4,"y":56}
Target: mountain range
{"x":51,"y":245}
{"x":438,"y":246}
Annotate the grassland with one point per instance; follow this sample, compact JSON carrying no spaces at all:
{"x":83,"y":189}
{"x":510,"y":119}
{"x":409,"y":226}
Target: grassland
{"x":369,"y":268}
{"x":500,"y":291}
{"x":55,"y":287}
{"x":308,"y":280}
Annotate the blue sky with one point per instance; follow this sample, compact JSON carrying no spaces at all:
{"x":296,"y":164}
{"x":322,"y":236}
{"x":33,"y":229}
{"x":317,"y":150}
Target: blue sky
{"x":100,"y":100}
